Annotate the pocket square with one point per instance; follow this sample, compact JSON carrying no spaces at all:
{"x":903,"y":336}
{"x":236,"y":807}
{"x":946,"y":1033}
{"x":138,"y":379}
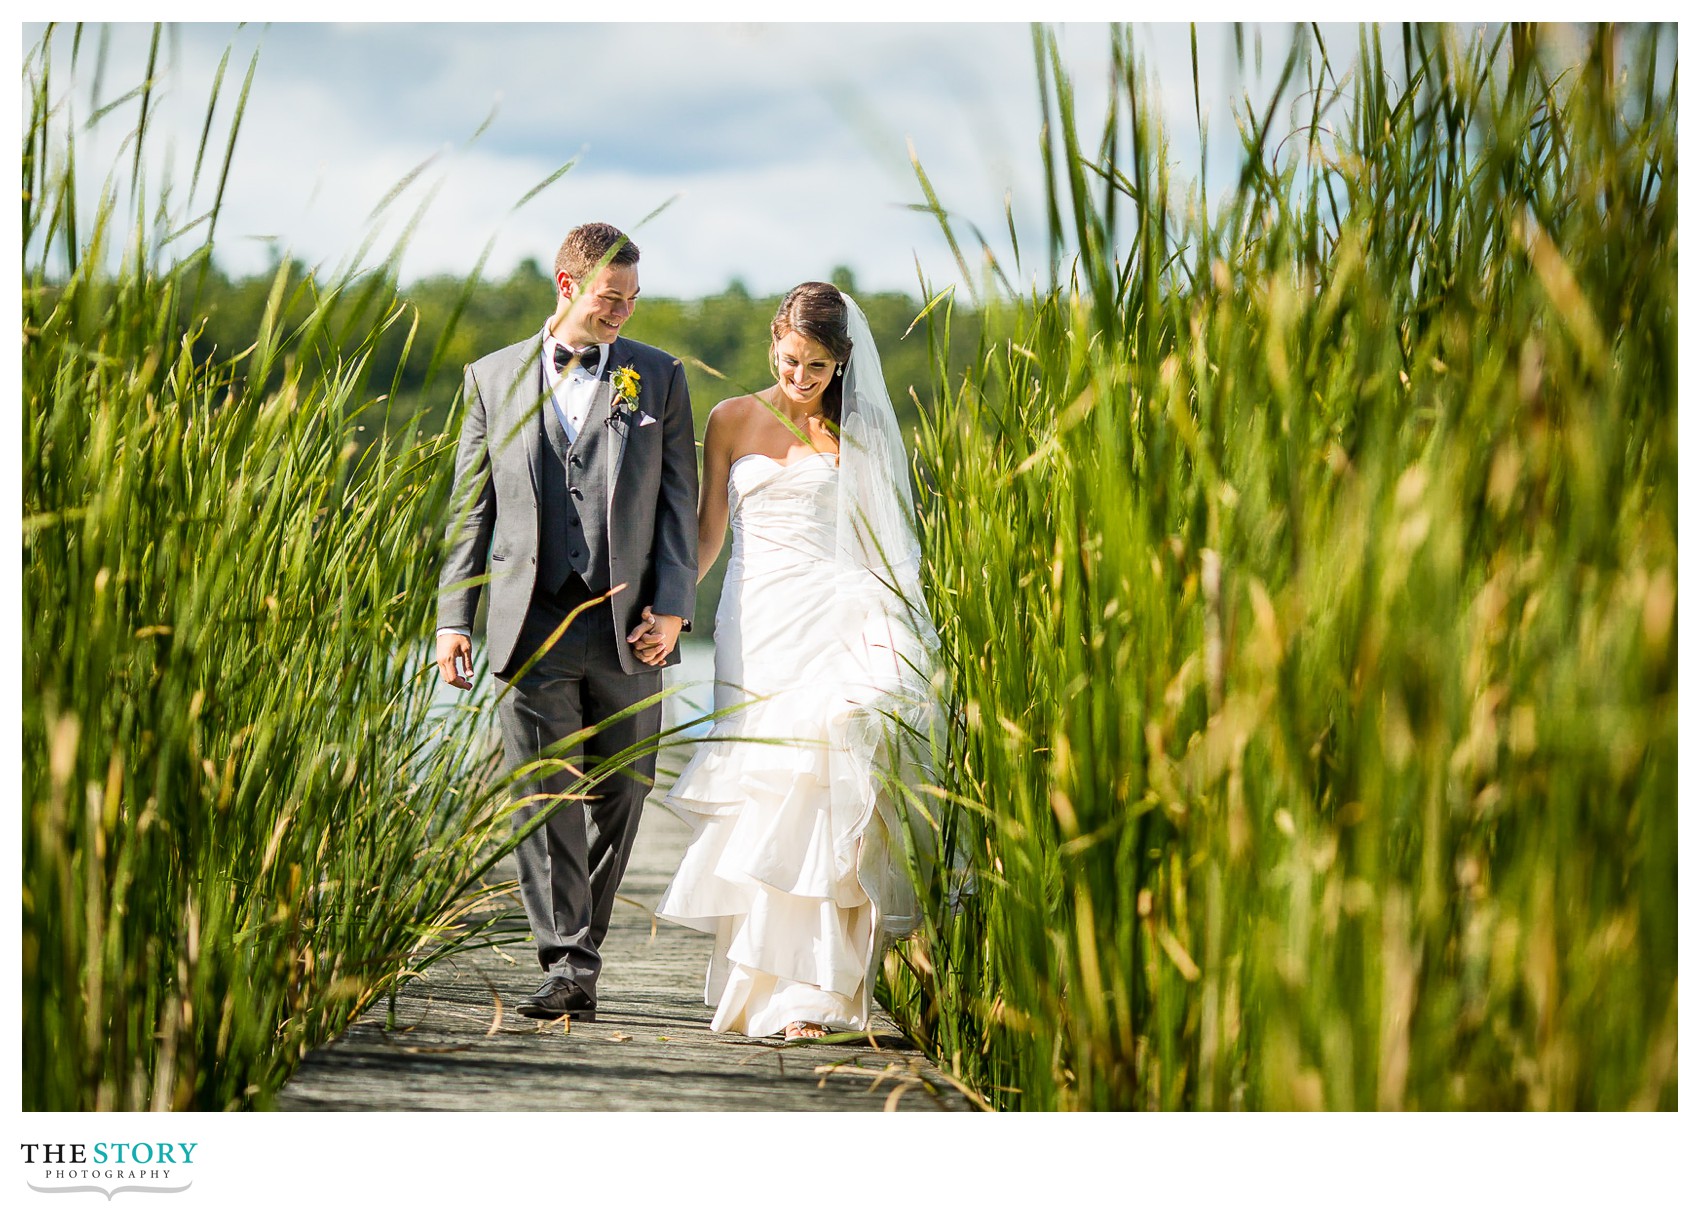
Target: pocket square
{"x":645,"y":419}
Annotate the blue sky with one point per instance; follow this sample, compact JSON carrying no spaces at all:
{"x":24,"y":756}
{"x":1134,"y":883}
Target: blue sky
{"x":778,"y":150}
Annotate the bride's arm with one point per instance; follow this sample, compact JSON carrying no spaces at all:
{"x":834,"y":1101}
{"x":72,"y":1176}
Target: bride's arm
{"x":711,"y":504}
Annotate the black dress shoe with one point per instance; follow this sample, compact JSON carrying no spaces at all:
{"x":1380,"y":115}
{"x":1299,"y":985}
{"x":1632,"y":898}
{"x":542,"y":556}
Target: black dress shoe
{"x":557,"y":997}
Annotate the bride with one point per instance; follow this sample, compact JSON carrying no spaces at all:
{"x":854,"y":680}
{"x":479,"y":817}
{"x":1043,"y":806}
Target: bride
{"x":822,"y":655}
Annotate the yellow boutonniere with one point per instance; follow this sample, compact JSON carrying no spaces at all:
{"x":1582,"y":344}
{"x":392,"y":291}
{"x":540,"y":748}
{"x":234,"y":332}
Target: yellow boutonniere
{"x":627,"y":382}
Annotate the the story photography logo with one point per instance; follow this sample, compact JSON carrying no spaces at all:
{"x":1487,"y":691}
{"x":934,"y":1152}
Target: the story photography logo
{"x":108,"y":1167}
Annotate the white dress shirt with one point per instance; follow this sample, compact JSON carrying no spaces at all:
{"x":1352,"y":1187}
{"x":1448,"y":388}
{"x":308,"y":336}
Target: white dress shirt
{"x":571,"y":390}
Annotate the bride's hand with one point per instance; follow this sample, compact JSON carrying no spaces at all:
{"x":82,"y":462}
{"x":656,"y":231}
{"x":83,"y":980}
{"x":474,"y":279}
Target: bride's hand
{"x":655,"y":638}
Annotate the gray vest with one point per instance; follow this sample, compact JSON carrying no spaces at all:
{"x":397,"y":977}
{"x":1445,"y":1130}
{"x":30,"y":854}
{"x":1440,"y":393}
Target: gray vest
{"x":574,"y":487}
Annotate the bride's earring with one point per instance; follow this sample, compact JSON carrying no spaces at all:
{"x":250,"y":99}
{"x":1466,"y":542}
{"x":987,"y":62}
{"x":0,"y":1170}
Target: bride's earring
{"x":840,"y":371}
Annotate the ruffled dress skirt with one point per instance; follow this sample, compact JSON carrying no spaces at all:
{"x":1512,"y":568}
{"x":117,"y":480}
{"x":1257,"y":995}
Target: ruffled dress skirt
{"x":794,"y":864}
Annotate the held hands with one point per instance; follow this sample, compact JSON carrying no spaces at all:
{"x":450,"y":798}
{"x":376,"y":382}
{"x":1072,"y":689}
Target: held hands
{"x":454,"y":660}
{"x":655,"y":637}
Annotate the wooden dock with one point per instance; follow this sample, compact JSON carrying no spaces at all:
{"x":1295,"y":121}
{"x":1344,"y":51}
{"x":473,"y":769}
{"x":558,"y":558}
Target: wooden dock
{"x":457,"y":1044}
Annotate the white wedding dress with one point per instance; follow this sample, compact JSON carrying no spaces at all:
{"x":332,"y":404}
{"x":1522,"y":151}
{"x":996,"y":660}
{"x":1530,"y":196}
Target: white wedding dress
{"x":796,"y":864}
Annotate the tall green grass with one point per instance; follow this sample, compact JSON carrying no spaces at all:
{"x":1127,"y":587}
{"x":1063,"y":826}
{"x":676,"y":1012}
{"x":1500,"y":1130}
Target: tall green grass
{"x":1305,"y":567}
{"x":242,"y":818}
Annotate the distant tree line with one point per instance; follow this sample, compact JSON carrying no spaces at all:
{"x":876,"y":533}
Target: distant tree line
{"x":449,"y":321}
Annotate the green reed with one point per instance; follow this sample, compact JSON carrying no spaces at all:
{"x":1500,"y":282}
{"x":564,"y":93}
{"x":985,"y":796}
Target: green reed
{"x":242,"y":816}
{"x":1305,"y":567}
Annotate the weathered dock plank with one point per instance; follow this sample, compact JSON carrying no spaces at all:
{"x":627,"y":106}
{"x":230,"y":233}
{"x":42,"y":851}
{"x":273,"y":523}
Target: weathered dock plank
{"x":457,"y":1044}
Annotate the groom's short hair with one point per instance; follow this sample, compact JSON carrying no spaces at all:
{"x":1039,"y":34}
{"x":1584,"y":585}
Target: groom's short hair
{"x":591,"y":245}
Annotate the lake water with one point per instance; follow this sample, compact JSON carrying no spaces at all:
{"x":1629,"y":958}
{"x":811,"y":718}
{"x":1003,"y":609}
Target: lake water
{"x":695,"y":674}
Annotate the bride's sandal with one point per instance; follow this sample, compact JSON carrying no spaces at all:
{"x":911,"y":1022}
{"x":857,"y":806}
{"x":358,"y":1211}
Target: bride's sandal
{"x":799,"y":1029}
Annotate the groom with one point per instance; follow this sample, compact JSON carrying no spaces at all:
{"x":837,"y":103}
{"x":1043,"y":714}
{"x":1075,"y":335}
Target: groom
{"x":575,"y":483}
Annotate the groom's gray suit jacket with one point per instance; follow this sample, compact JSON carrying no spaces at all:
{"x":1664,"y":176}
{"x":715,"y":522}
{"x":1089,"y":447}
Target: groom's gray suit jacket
{"x":618,"y":506}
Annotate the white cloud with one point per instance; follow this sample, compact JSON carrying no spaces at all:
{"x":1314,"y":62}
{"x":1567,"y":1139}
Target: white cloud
{"x":787,"y":144}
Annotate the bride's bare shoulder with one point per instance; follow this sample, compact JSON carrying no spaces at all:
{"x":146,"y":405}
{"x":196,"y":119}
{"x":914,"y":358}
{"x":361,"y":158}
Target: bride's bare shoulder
{"x":735,"y":408}
{"x":734,"y":415}
{"x":728,"y":423}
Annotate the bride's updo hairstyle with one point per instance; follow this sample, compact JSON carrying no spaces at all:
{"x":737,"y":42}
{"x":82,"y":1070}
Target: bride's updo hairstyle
{"x":817,"y":311}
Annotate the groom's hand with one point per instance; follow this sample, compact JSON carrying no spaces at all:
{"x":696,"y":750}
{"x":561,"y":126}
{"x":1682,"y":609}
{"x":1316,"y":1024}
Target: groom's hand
{"x":655,"y":637}
{"x":454,"y":659}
